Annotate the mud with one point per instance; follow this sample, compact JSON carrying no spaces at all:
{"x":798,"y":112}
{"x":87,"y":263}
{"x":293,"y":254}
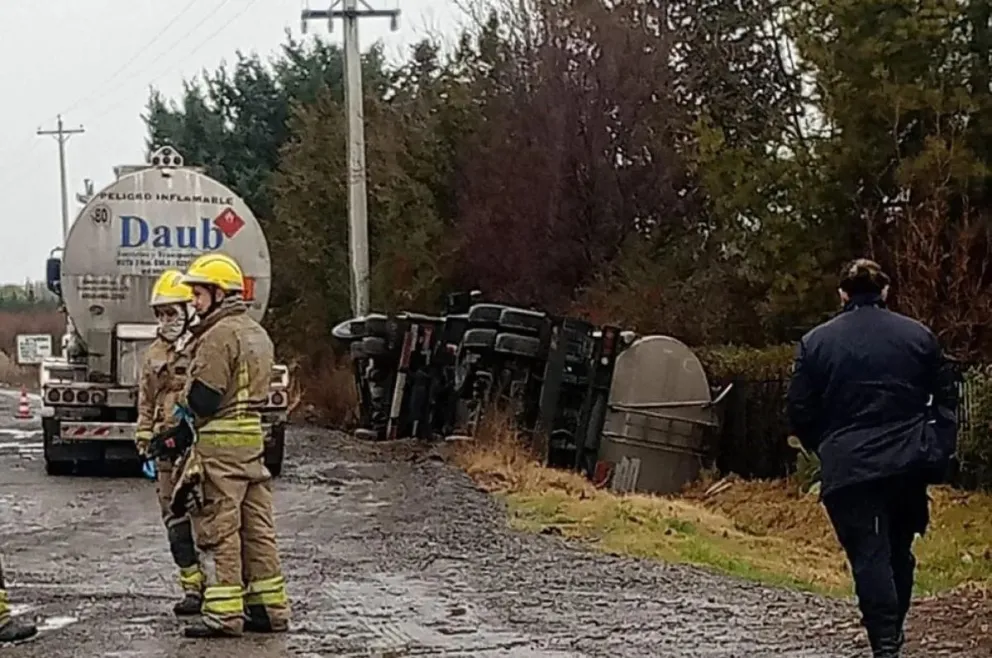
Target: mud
{"x":388,"y":552}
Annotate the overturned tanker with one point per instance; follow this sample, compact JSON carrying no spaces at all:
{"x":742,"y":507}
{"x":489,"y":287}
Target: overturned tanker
{"x":629,"y":412}
{"x":153,"y":217}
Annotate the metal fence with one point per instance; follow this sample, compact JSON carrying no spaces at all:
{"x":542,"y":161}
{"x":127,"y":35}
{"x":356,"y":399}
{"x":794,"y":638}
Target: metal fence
{"x":752,"y":443}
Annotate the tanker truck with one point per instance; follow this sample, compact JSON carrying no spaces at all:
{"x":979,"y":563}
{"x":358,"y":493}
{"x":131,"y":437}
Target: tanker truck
{"x":154,"y":217}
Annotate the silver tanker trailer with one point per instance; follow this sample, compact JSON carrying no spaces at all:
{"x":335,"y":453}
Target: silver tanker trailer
{"x":153,"y":217}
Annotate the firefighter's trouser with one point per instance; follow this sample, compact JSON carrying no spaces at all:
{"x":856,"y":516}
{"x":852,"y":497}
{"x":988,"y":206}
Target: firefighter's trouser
{"x":180,"y":532}
{"x":4,"y":609}
{"x":4,"y":604}
{"x":235,"y":533}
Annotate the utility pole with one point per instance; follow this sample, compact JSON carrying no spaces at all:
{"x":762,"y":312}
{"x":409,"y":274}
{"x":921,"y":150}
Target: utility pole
{"x":358,"y":232}
{"x":62,"y":136}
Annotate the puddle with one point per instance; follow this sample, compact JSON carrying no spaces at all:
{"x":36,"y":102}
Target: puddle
{"x":55,"y":623}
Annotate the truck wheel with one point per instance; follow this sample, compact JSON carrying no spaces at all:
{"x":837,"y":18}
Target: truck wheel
{"x":275,"y":451}
{"x":374,"y":346}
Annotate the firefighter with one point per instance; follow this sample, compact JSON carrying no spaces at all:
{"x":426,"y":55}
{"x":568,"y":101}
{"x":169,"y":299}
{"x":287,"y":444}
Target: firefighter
{"x":12,"y":630}
{"x":229,"y":381}
{"x":163,"y":378}
{"x":873,"y":396}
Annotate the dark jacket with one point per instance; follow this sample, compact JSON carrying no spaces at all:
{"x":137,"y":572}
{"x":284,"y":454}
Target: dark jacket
{"x":860,"y":397}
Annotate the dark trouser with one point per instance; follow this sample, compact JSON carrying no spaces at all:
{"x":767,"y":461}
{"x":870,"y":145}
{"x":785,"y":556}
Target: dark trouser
{"x":876,"y":523}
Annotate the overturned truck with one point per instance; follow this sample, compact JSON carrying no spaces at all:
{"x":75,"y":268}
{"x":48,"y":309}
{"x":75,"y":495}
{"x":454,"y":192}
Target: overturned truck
{"x":630,"y":413}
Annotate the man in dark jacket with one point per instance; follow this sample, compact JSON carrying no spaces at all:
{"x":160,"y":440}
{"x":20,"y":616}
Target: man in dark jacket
{"x":872,"y":395}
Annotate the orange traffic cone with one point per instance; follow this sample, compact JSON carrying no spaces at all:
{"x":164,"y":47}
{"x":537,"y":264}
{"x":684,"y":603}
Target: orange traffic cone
{"x":23,"y":408}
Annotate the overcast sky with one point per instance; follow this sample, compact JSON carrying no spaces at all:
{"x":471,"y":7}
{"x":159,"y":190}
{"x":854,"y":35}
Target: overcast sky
{"x":93,"y":61}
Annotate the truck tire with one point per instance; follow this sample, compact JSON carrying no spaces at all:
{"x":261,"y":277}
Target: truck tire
{"x":517,"y":345}
{"x":374,"y":346}
{"x":275,"y":450}
{"x":357,"y":351}
{"x":376,"y":325}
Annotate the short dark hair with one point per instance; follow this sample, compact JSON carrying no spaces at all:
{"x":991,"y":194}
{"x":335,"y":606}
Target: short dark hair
{"x":863,"y":276}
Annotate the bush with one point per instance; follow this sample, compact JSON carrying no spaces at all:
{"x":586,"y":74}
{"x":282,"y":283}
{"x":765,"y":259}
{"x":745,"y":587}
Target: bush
{"x":29,"y":321}
{"x":325,"y":393}
{"x":975,"y":433}
{"x":724,"y":363}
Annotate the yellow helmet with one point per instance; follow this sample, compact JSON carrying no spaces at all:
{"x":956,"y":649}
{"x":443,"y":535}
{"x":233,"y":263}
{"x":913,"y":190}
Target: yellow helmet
{"x":215,"y":269}
{"x":170,"y":289}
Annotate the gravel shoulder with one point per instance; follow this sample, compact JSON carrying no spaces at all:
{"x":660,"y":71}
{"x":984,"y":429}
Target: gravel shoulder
{"x":388,"y":551}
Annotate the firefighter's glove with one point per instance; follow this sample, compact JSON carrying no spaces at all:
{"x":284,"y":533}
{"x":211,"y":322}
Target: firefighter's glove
{"x":187,"y":496}
{"x":171,"y":443}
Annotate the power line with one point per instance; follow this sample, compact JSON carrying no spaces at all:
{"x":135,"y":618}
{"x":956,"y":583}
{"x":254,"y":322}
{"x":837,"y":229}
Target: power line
{"x":199,"y":46}
{"x":130,"y":60}
{"x":11,"y":161}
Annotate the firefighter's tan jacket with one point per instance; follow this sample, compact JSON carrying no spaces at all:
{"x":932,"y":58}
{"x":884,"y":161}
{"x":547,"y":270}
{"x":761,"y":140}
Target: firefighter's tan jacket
{"x":233,"y":355}
{"x":163,"y":380}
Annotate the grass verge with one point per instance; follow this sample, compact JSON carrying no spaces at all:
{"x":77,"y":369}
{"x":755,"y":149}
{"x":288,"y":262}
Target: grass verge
{"x":762,"y":531}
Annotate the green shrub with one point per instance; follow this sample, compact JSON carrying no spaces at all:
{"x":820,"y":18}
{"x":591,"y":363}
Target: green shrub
{"x":808,"y":470}
{"x":975,"y":434}
{"x":729,"y":362}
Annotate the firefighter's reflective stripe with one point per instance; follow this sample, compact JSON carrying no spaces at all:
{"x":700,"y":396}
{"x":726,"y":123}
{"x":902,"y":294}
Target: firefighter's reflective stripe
{"x":268,"y":592}
{"x":4,"y":605}
{"x":233,"y":433}
{"x":143,"y":435}
{"x":242,"y":429}
{"x":191,"y":579}
{"x":223,"y":600}
{"x":244,"y":383}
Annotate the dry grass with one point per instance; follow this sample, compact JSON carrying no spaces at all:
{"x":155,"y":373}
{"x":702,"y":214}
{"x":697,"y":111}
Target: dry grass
{"x":324,"y":392}
{"x":39,"y":321}
{"x":14,"y":375}
{"x":13,"y":323}
{"x":762,"y":531}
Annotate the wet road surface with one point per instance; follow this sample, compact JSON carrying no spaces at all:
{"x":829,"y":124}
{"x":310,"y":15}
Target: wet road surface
{"x":388,"y":552}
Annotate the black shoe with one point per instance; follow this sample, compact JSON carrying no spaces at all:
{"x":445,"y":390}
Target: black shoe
{"x":189,"y":606}
{"x":255,"y":625}
{"x":887,"y":646}
{"x":257,"y":621}
{"x":16,"y":631}
{"x":199,"y":630}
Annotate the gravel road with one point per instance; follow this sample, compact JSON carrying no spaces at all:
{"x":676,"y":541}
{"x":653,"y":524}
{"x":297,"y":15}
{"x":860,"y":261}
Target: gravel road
{"x":388,"y":551}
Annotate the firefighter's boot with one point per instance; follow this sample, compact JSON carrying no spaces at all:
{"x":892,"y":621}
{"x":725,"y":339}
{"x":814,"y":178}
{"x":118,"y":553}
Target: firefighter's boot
{"x":16,"y":631}
{"x":201,"y":630}
{"x":12,"y":630}
{"x":190,"y":576}
{"x":188,"y":606}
